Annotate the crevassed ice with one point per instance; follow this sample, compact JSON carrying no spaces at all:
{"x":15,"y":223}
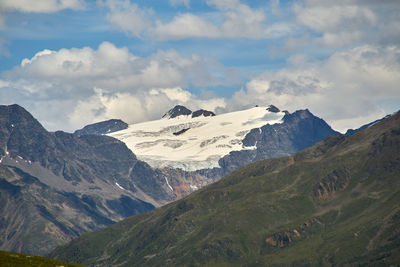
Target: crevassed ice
{"x":204,"y":142}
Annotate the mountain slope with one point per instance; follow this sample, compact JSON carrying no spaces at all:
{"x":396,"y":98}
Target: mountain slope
{"x":103,"y":127}
{"x":11,"y":259}
{"x":352,"y":131}
{"x":56,"y":186}
{"x":335,"y":203}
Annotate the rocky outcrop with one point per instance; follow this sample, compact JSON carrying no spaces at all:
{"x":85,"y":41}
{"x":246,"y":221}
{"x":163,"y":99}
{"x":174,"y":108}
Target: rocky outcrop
{"x":104,"y":127}
{"x":202,"y":112}
{"x":179,"y":110}
{"x":272,"y":108}
{"x":183,"y":183}
{"x":332,"y":183}
{"x":286,"y":238}
{"x":176,"y":111}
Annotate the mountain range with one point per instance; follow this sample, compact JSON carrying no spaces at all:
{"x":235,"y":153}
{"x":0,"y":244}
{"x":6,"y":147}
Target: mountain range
{"x":333,"y":204}
{"x":54,"y":186}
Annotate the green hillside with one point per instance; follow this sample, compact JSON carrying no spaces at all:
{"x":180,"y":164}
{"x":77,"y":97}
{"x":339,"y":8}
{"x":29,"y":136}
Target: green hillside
{"x":337,"y":202}
{"x":12,"y":259}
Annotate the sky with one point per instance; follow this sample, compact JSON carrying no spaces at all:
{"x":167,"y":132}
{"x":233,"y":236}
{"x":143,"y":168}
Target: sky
{"x":75,"y":62}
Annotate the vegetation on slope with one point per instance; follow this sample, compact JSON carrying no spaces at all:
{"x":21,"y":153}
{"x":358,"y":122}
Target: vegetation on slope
{"x":335,"y":203}
{"x":12,"y":259}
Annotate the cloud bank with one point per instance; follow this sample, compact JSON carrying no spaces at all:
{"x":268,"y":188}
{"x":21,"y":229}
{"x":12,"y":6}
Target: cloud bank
{"x":72,"y":87}
{"x":231,"y":19}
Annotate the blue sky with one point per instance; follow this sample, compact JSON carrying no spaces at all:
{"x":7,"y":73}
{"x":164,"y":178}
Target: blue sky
{"x":74,"y":62}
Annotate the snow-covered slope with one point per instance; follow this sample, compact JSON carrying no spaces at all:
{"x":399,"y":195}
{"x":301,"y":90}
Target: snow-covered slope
{"x":194,"y":143}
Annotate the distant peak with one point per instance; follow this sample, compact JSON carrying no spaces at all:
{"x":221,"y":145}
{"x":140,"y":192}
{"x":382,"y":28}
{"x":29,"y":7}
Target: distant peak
{"x":272,"y":108}
{"x":202,"y":112}
{"x":178,"y":110}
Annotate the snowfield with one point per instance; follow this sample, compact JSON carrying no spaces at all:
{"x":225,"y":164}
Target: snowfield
{"x":194,"y":143}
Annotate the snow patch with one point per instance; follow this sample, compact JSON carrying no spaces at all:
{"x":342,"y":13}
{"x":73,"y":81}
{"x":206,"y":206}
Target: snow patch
{"x":120,"y":186}
{"x":170,"y":187}
{"x":193,"y":187}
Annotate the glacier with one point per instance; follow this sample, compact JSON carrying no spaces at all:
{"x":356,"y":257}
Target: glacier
{"x":194,"y":143}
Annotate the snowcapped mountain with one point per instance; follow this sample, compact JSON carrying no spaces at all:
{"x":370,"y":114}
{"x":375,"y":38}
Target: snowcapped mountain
{"x":194,"y":141}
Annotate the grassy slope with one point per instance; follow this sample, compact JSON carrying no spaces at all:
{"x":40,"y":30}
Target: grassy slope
{"x":354,"y":218}
{"x":13,"y":259}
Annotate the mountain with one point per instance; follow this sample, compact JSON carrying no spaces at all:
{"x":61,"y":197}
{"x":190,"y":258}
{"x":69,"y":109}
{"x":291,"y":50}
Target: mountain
{"x":177,"y":111}
{"x":56,"y":186}
{"x":103,"y":127}
{"x":226,"y":141}
{"x":16,"y":259}
{"x":352,"y":131}
{"x":336,"y":203}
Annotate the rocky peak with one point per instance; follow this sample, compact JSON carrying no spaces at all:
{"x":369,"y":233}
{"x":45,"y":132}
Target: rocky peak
{"x":104,"y":127}
{"x":272,"y":108}
{"x":178,"y":110}
{"x":202,"y":112}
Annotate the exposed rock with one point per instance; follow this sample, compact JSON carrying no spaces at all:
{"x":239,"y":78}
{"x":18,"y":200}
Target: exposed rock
{"x":333,"y":182}
{"x":202,"y":112}
{"x":104,"y":127}
{"x":176,"y":111}
{"x":272,"y":108}
{"x":181,"y":131}
{"x":285,"y":239}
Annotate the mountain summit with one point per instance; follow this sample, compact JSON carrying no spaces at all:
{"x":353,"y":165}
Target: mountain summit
{"x":177,"y":111}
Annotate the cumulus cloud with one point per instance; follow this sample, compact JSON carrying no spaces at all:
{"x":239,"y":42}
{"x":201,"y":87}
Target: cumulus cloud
{"x":129,"y":17}
{"x":345,"y":89}
{"x":69,"y":88}
{"x":42,"y":6}
{"x":348,"y":22}
{"x":235,"y":20}
{"x":180,"y":2}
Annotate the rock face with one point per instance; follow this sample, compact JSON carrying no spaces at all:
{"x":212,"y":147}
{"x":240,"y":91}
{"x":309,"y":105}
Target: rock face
{"x":176,"y":111}
{"x":202,"y":112}
{"x":272,"y":108}
{"x":56,"y":186}
{"x":332,"y":183}
{"x":179,"y":110}
{"x":298,"y":131}
{"x":103,"y":127}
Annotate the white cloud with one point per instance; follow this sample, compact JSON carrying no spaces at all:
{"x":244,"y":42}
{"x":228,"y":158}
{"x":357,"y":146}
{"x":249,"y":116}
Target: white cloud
{"x":235,"y":20}
{"x":69,"y":88}
{"x":346,"y":23}
{"x":334,"y":17}
{"x":180,"y":2}
{"x":128,"y":17}
{"x":184,"y":26}
{"x":344,"y":89}
{"x":42,"y":6}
